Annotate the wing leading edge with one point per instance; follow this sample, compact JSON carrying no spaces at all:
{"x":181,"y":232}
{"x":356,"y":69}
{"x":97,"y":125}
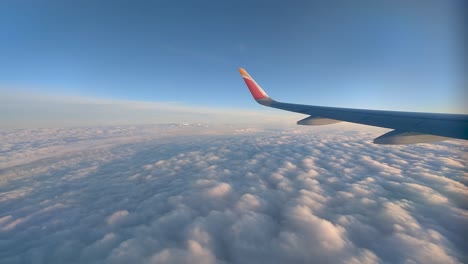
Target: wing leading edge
{"x":409,"y":127}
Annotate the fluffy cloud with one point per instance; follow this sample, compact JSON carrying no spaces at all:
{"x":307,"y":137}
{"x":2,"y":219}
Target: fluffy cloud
{"x":159,"y":194}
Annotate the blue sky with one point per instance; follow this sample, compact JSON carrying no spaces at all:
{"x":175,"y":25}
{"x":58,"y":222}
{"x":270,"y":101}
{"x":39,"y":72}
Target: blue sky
{"x":397,"y":55}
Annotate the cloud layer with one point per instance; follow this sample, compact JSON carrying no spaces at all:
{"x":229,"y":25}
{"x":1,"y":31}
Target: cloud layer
{"x":26,"y":110}
{"x":144,"y":195}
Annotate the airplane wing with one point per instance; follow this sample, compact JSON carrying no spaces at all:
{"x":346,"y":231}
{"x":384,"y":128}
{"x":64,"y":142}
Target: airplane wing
{"x":409,"y":127}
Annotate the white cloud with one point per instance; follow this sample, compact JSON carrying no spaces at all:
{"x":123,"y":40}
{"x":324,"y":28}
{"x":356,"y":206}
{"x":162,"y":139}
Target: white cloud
{"x":117,"y":216}
{"x":193,"y":253}
{"x":219,"y":190}
{"x":178,"y":194}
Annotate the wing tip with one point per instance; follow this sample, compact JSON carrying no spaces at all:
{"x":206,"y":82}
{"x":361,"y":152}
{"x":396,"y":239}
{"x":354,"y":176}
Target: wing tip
{"x":257,"y":92}
{"x":243,"y":72}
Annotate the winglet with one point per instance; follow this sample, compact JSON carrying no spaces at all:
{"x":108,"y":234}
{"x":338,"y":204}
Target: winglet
{"x":257,"y":92}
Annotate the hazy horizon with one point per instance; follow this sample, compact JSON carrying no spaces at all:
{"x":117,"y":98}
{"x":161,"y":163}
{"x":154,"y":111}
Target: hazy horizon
{"x":393,"y":55}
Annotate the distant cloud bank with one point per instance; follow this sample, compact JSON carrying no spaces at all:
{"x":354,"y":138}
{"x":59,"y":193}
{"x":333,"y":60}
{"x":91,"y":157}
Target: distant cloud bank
{"x":195,"y":194}
{"x":23,"y":110}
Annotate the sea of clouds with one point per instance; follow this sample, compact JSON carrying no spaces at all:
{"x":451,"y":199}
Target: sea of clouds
{"x":196,"y":194}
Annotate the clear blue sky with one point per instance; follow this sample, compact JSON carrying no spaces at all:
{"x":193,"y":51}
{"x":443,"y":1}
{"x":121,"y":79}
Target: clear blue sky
{"x":399,"y":55}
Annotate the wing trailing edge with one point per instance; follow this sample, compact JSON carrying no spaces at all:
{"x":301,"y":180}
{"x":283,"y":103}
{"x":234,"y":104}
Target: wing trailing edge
{"x":317,"y":121}
{"x":396,"y":137}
